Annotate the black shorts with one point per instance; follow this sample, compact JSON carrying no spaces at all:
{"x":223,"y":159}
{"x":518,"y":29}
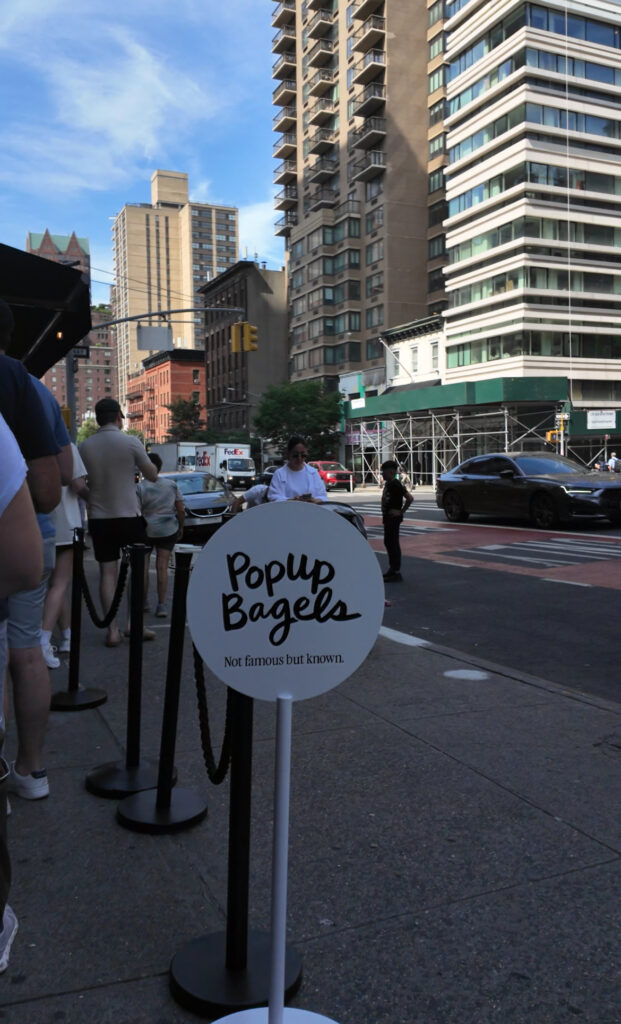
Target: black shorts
{"x":110,"y":535}
{"x":167,"y":543}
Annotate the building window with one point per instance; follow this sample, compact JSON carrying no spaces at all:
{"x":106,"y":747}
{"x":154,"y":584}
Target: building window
{"x":375,"y":251}
{"x":374,"y":219}
{"x":374,"y":349}
{"x":196,"y":376}
{"x":414,"y":359}
{"x":374,"y":316}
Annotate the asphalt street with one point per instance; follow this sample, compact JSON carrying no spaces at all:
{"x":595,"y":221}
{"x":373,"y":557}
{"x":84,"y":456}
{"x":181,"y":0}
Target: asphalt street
{"x":546,"y":603}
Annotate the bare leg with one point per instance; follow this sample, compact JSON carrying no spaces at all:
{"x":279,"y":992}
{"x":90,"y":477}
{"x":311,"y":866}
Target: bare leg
{"x":55,"y":597}
{"x":162,"y":559}
{"x":31,"y":700}
{"x":108,"y":572}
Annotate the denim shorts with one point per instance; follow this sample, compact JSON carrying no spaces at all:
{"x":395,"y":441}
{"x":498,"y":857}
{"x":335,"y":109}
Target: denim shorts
{"x":26,"y":607}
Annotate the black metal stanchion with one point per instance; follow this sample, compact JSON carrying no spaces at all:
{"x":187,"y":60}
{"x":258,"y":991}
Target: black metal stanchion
{"x":119,"y":778}
{"x":231,"y":970}
{"x":76,"y":698}
{"x":168,"y":810}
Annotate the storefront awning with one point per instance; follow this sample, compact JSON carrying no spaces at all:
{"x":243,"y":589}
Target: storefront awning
{"x":51,"y":306}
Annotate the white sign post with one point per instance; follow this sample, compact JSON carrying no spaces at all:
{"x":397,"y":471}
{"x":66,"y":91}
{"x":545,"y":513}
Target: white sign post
{"x":285,"y":602}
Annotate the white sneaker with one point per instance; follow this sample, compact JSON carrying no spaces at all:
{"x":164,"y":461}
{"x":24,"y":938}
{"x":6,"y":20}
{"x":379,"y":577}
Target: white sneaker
{"x":50,"y":658}
{"x":64,"y":646}
{"x":30,"y":787}
{"x":8,"y":933}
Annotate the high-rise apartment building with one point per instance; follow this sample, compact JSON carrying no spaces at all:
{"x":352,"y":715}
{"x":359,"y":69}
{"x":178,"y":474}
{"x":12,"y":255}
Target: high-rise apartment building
{"x":533,"y":234}
{"x":351,"y":90}
{"x":163,"y":252}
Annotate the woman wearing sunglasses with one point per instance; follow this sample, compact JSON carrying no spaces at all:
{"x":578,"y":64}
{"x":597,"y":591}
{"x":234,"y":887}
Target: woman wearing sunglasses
{"x":295,"y":480}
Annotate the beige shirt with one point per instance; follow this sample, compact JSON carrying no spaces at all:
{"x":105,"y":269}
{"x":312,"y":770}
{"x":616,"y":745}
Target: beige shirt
{"x":112,"y":459}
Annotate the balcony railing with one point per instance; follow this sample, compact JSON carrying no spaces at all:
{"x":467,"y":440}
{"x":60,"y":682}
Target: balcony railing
{"x":285,"y":92}
{"x":373,"y":31}
{"x":285,"y":171}
{"x":370,"y":99}
{"x":284,"y":225}
{"x":286,"y":198}
{"x":321,"y":111}
{"x":285,"y":119}
{"x":373,"y":164}
{"x":321,"y":82}
{"x":323,"y":169}
{"x":366,"y":7}
{"x":284,"y":67}
{"x":323,"y":197}
{"x":284,"y":39}
{"x":370,"y":133}
{"x":286,"y":145}
{"x":371,"y":65}
{"x":284,"y":13}
{"x":322,"y":140}
{"x":320,"y":24}
{"x":321,"y":53}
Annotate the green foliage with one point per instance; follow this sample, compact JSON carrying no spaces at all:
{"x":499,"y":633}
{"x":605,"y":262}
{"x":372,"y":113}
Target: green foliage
{"x":88,"y":428}
{"x":186,"y":423}
{"x":304,"y":408}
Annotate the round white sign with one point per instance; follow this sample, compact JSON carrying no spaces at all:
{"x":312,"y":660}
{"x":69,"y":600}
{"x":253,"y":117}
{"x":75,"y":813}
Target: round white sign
{"x":287,"y":598}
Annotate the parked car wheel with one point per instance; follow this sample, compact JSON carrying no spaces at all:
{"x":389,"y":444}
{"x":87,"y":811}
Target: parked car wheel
{"x":454,"y":508}
{"x":543,"y":512}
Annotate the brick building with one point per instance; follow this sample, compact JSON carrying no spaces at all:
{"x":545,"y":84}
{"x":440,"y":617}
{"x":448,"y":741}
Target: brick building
{"x":165,"y":376}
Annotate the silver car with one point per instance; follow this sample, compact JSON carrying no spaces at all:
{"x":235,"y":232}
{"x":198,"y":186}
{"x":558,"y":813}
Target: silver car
{"x":205,"y":499}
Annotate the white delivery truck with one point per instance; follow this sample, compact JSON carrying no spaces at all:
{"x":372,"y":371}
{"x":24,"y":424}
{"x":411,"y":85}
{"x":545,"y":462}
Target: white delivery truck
{"x":176,"y":456}
{"x":228,"y":462}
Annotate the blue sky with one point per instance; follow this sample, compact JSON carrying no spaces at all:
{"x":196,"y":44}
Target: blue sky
{"x":97,"y":95}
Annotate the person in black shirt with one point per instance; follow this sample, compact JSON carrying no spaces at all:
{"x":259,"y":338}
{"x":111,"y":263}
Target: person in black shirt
{"x":395,"y":502}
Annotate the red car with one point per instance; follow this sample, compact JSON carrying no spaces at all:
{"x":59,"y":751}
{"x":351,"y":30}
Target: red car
{"x":334,"y":475}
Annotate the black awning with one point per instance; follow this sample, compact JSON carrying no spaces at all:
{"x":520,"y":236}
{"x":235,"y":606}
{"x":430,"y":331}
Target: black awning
{"x":47,"y":299}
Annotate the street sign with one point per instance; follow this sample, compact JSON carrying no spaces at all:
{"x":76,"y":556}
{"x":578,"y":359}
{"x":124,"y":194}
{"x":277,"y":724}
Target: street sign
{"x":81,"y":352}
{"x":601,"y":419}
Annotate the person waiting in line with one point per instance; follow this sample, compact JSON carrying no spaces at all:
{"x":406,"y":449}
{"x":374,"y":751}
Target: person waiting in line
{"x":164,"y":512}
{"x":112,"y":459}
{"x":396,"y":500}
{"x":254,"y":496}
{"x":295,"y":480}
{"x":21,"y":566}
{"x":66,"y":517}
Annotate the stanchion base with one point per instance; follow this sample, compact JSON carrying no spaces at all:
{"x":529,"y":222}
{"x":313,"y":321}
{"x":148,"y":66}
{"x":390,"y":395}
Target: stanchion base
{"x":116,"y":780}
{"x":260,"y":1016}
{"x":77,"y":700}
{"x":140,"y":813}
{"x":200,"y":980}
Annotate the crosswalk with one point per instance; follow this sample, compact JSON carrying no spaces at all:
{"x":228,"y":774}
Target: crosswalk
{"x":549,"y":553}
{"x":372,"y":508}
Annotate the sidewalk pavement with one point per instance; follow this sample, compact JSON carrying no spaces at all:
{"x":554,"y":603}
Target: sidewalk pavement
{"x":455,"y":849}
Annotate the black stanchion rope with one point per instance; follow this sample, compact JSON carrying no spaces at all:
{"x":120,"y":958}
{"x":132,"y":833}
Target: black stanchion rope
{"x":114,"y":607}
{"x":216,"y":772}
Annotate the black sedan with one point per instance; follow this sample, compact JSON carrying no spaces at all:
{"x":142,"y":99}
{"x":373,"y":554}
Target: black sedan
{"x":545,"y":488}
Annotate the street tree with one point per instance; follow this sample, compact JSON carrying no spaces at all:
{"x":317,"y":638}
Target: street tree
{"x":306,"y":408}
{"x":88,"y":427}
{"x":186,"y":423}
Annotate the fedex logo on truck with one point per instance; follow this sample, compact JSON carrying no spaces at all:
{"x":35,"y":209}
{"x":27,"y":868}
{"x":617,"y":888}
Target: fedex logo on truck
{"x":233,"y":451}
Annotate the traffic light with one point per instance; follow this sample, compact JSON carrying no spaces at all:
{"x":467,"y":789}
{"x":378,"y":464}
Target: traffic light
{"x":553,"y":436}
{"x":236,"y":337}
{"x":251,"y":338}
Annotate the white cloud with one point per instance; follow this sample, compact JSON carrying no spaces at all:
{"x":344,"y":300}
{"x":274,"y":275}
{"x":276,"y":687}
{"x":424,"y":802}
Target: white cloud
{"x":101,"y":114}
{"x":256,"y":233}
